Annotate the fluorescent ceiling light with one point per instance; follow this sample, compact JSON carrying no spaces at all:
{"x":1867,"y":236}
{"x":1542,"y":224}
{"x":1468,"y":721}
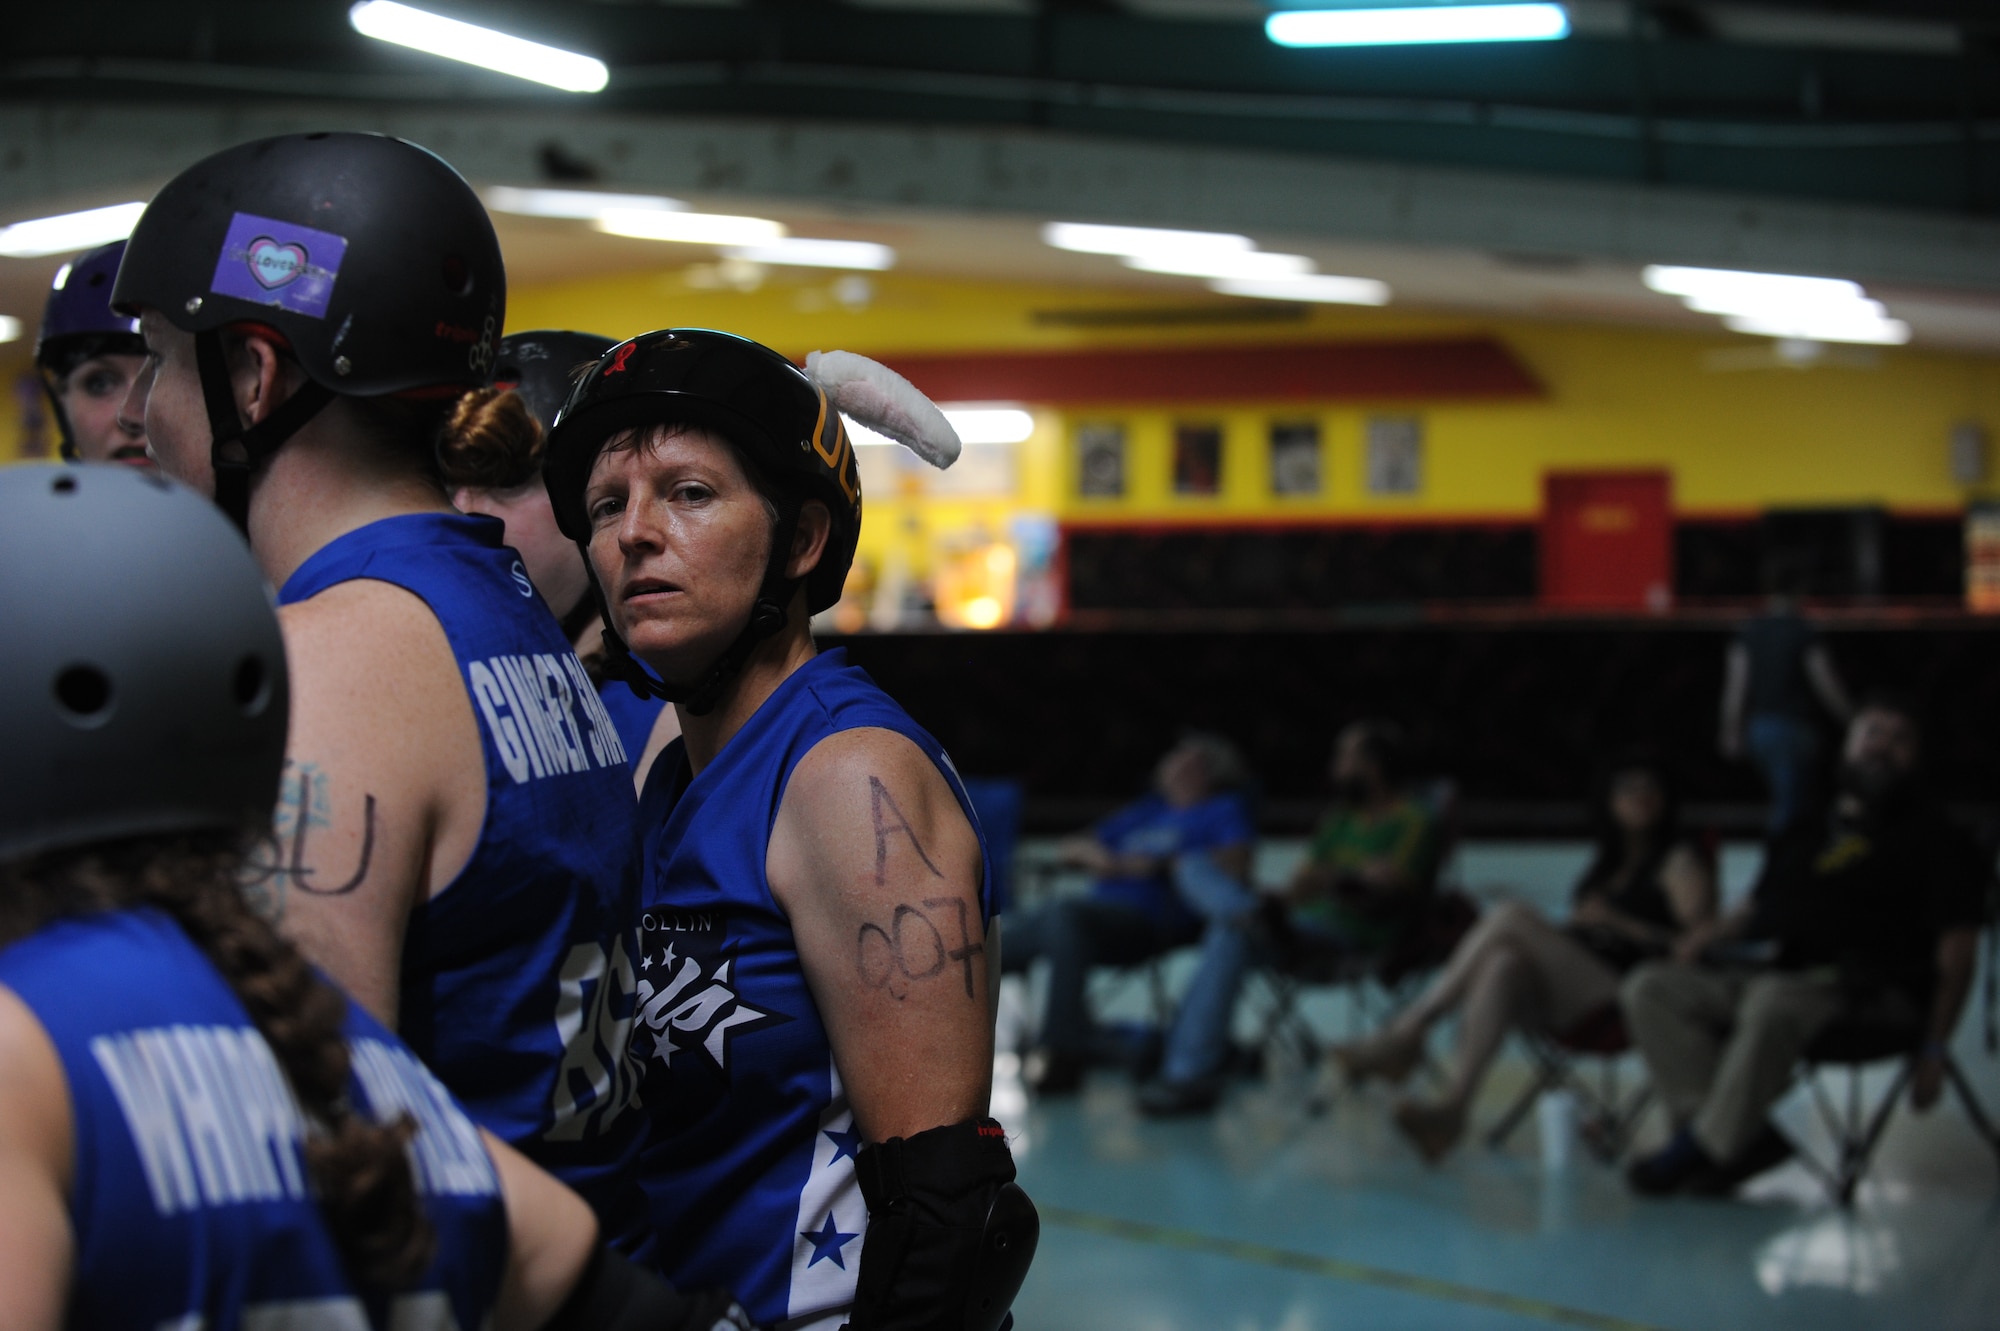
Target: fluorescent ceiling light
{"x":804,"y":252}
{"x":1418,"y":25}
{"x":1321,"y":288}
{"x":989,"y":424}
{"x":1727,"y":287}
{"x":1089,"y":238}
{"x":1782,"y":305}
{"x":584,"y":203}
{"x":1878,"y":330}
{"x":690,"y":228}
{"x":69,"y":231}
{"x":435,"y":34}
{"x":979,"y":423}
{"x":10,"y":328}
{"x":1248,"y":264}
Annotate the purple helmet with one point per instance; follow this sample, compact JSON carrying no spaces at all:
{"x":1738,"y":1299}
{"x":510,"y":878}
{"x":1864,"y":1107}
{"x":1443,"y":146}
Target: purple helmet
{"x":78,"y":322}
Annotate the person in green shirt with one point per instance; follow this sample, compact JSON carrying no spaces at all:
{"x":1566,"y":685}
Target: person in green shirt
{"x":1368,"y":876}
{"x":1373,"y":860}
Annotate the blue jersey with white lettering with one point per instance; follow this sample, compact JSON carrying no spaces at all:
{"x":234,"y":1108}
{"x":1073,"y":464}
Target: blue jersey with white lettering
{"x":749,"y":1169}
{"x":517,"y":977}
{"x":634,"y":716}
{"x":191,"y":1205}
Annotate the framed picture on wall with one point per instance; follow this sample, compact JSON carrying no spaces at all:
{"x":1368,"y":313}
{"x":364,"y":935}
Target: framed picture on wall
{"x":1395,"y":448}
{"x":1197,"y":459}
{"x":1295,"y":458}
{"x":1100,"y":451}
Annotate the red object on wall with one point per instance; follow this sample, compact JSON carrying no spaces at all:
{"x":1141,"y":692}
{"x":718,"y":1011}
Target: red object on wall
{"x":1419,"y":368}
{"x":1607,"y":540}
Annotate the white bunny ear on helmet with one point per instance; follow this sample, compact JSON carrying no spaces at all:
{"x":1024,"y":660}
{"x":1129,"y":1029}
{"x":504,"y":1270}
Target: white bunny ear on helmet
{"x":876,"y":396}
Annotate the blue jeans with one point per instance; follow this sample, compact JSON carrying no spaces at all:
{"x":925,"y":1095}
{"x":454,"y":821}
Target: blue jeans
{"x":1074,"y":934}
{"x":1200,"y":1034}
{"x":1786,"y":750}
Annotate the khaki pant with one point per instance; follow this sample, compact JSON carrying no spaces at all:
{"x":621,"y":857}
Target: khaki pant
{"x":1722,"y":1045}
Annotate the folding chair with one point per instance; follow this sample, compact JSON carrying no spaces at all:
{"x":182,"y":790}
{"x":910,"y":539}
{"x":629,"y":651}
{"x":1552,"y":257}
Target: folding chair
{"x":1378,"y":983}
{"x":1607,"y":1112}
{"x":1856,"y":1128}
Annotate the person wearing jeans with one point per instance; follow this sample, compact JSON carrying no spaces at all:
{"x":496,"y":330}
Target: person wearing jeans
{"x":1133,"y":911}
{"x":1370,"y":860}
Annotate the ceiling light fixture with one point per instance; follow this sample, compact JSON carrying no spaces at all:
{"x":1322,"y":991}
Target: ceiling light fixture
{"x":986,"y":423}
{"x":690,"y":228}
{"x":1247,"y":264}
{"x":67,"y":232}
{"x":1317,"y":288}
{"x":1782,"y":305}
{"x":1418,"y":25}
{"x":806,"y":252}
{"x":1090,"y":238}
{"x":434,"y":34}
{"x":10,"y":328}
{"x":587,"y":204}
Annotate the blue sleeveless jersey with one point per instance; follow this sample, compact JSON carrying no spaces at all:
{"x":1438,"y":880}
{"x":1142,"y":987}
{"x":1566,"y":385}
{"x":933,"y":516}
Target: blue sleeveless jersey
{"x":632,"y":715}
{"x":518,"y":978}
{"x":749,"y":1169}
{"x":192,"y":1208}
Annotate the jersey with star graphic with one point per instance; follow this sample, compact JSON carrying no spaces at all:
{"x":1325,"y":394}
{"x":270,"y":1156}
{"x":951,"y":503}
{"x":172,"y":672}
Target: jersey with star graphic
{"x":749,"y":1172}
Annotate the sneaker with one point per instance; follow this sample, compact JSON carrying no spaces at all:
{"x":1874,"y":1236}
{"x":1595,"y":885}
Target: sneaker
{"x":1174,"y":1099}
{"x":1669,"y":1169}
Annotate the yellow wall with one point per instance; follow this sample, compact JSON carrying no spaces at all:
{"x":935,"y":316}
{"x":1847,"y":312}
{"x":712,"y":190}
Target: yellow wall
{"x":1869,"y":427}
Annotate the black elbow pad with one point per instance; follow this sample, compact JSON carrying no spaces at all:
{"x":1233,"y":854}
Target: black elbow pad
{"x":950,"y":1234}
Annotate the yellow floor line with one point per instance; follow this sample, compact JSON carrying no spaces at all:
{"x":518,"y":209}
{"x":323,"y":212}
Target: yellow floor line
{"x":1338,"y":1269}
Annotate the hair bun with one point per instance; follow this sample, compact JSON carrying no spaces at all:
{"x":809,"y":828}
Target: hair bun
{"x":491,"y":441}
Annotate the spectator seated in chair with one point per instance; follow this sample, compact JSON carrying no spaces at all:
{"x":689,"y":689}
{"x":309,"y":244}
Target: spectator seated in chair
{"x":1133,"y":912}
{"x":1869,"y":910}
{"x":1366,"y":881}
{"x":1646,"y":887}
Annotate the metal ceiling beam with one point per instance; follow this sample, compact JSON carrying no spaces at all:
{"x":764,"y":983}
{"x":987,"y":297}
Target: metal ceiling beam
{"x":52,"y":152}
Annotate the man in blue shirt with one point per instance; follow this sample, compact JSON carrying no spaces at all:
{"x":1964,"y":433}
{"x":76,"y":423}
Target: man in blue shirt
{"x":1133,"y":911}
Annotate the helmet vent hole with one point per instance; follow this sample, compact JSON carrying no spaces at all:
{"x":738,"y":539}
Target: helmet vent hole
{"x":457,"y":275}
{"x":64,"y":485}
{"x":84,"y":693}
{"x":251,"y":686}
{"x":97,"y":279}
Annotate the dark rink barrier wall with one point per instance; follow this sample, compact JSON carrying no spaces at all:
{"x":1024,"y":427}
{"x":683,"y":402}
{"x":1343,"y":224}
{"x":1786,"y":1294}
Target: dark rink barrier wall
{"x":1522,"y":714}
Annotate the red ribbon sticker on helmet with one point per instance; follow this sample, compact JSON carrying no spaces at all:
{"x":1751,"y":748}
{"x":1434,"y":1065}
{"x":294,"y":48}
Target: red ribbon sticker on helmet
{"x":619,"y":358}
{"x":278,"y":263}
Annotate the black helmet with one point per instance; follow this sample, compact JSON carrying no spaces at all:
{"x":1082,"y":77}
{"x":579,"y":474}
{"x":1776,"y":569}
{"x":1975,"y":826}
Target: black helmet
{"x":138,"y":694}
{"x":369,"y":256}
{"x":787,"y":430}
{"x":543,"y":365}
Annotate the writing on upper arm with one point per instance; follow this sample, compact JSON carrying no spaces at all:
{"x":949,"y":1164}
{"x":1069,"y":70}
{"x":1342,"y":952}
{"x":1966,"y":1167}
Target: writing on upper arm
{"x":285,"y":857}
{"x":911,"y":948}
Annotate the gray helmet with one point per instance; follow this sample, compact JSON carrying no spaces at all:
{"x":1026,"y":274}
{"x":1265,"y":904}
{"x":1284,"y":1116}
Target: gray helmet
{"x":142,"y":678}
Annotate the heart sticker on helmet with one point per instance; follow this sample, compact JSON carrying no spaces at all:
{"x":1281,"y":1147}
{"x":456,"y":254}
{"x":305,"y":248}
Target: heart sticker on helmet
{"x":275,"y":265}
{"x":272,"y":262}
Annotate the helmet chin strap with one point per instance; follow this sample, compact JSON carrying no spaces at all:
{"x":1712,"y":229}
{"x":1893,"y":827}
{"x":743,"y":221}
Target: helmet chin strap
{"x":257,"y":442}
{"x":767,"y":617}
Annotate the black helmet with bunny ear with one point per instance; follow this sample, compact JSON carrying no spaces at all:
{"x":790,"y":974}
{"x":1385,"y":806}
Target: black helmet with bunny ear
{"x":786,"y":424}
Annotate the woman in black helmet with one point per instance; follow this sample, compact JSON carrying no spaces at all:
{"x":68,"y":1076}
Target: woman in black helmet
{"x":494,"y":467}
{"x":196,"y":1130}
{"x":452,"y":844}
{"x":816,"y":976}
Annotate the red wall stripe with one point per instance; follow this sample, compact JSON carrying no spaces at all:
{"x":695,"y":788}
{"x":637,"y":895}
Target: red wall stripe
{"x":1458,"y":368}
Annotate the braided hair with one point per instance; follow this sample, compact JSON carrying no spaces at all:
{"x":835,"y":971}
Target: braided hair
{"x":361,"y":1171}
